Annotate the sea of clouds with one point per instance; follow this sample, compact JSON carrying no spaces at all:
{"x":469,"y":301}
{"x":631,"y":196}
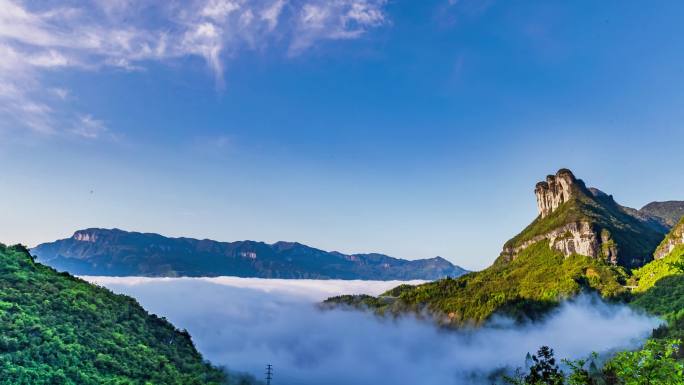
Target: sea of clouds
{"x":243,"y":324}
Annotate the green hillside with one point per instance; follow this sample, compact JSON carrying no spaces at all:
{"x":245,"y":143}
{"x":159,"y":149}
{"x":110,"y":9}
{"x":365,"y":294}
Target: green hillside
{"x":647,"y":276}
{"x":526,"y":287}
{"x":660,"y":291}
{"x":57,"y":329}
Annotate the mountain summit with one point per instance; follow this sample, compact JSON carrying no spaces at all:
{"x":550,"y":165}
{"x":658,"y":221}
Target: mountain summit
{"x":575,"y":245}
{"x":575,"y":219}
{"x":122,"y":253}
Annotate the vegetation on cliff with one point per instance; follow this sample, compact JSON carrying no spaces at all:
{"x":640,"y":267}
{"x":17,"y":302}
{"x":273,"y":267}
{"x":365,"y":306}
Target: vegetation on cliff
{"x":634,"y":239}
{"x":660,"y":291}
{"x":672,"y":239}
{"x":58,"y":329}
{"x":650,"y":274}
{"x":526,"y":287}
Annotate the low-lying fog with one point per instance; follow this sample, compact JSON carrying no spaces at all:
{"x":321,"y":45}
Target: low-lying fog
{"x":245,"y":323}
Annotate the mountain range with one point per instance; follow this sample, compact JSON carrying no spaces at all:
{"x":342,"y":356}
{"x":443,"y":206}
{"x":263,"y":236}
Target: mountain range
{"x":115,"y":252}
{"x":56,"y":328}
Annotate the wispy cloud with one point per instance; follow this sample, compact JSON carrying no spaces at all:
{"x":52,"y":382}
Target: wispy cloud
{"x":39,"y":37}
{"x":89,"y":128}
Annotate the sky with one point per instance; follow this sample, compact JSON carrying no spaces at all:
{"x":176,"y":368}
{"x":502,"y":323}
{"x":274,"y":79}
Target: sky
{"x":410,"y":128}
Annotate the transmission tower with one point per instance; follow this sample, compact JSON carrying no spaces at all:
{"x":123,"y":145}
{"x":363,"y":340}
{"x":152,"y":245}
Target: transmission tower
{"x":269,"y":374}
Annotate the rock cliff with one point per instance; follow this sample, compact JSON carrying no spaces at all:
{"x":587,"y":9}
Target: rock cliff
{"x":556,"y":190}
{"x":574,"y":238}
{"x":574,"y":219}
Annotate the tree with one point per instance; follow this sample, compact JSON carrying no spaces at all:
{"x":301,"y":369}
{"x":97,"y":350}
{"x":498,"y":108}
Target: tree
{"x":653,"y":365}
{"x":542,"y":371}
{"x":584,"y":371}
{"x":677,"y":266}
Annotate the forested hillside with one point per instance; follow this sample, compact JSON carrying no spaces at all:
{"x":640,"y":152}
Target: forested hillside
{"x":57,"y":329}
{"x":523,"y":288}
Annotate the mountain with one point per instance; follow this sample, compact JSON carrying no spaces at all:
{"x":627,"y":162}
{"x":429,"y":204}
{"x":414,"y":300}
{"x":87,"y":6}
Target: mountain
{"x":576,"y":219}
{"x":670,"y":212}
{"x":581,"y":240}
{"x":57,"y":329}
{"x":523,"y":288}
{"x":673,"y":240}
{"x":122,"y":253}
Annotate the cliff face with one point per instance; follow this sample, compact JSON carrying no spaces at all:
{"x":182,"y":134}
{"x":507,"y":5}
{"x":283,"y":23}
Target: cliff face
{"x":574,"y":238}
{"x":673,"y":239}
{"x":556,"y":190}
{"x":575,"y":219}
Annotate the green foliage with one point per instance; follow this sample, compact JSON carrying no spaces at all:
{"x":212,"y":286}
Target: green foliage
{"x":676,"y":232}
{"x":584,"y":371}
{"x":357,"y":301}
{"x":524,"y":288}
{"x":399,"y":290}
{"x":57,"y":329}
{"x":544,"y":370}
{"x":655,"y":364}
{"x":665,"y":298}
{"x":649,"y":274}
{"x":634,"y":240}
{"x":569,"y":212}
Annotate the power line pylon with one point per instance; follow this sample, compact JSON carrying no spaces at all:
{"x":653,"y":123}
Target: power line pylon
{"x":269,"y":374}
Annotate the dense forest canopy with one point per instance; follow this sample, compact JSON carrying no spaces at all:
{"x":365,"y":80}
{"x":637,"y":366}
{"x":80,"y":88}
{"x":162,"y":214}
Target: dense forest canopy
{"x":58,"y":329}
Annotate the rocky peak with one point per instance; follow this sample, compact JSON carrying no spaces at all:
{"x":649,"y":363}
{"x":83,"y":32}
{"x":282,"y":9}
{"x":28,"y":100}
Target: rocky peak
{"x":85,"y":236}
{"x":99,"y":235}
{"x":593,"y":224}
{"x":555,"y":190}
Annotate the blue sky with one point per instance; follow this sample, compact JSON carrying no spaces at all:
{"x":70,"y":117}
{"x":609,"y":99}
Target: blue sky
{"x":412,"y":128}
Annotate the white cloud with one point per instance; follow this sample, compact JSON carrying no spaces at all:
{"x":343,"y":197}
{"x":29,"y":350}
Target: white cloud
{"x":39,"y":37}
{"x":246,"y":323}
{"x":61,"y":93}
{"x":89,"y":128}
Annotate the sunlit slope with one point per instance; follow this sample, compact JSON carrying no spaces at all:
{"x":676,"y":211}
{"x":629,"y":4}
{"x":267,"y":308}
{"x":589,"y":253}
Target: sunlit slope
{"x":590,"y":222}
{"x":660,"y":284}
{"x":525,"y":287}
{"x":57,"y":329}
{"x":660,"y":291}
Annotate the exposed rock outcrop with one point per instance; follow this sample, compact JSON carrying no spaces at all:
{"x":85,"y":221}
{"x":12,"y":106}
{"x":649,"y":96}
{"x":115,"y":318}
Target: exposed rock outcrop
{"x":575,"y":219}
{"x":556,"y":190}
{"x":572,"y":238}
{"x":85,"y":236}
{"x":673,"y":239}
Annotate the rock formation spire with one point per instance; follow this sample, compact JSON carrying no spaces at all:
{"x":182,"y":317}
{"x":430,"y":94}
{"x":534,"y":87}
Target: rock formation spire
{"x":556,"y":190}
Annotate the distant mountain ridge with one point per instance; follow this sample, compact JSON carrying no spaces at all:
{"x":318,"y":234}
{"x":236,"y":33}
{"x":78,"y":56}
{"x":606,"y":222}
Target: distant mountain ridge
{"x":669,"y":211}
{"x":117,"y":252}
